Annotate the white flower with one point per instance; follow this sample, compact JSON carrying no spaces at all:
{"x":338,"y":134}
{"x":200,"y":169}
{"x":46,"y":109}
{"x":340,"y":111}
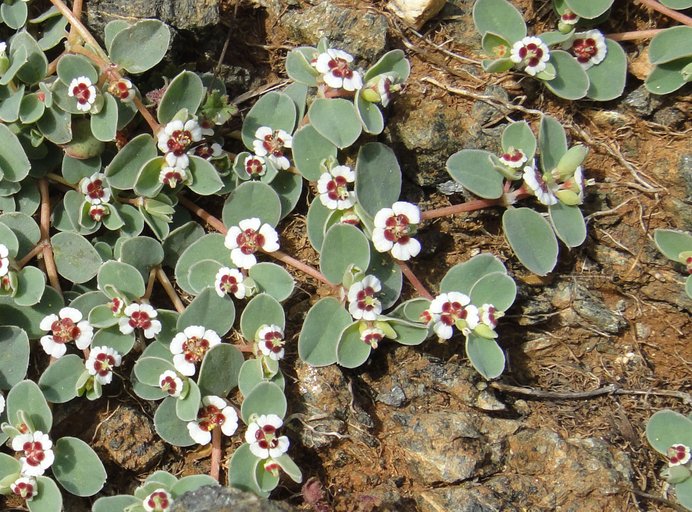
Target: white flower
{"x":101,"y":362}
{"x":2,"y":403}
{"x":4,"y":260}
{"x":158,"y":501}
{"x":589,"y":48}
{"x":171,"y":176}
{"x":123,"y":90}
{"x":98,"y":211}
{"x":248,"y":237}
{"x":190,"y":346}
{"x":66,"y":326}
{"x":363,"y":305}
{"x":25,"y":487}
{"x":678,"y":454}
{"x":95,"y":189}
{"x":488,"y":315}
{"x":36,"y":452}
{"x":140,"y":316}
{"x":262,"y":438}
{"x":175,"y":139}
{"x":230,"y":280}
{"x":215,"y":412}
{"x":255,"y":166}
{"x":448,"y":310}
{"x":569,"y":18}
{"x":83,"y":91}
{"x":335,"y":66}
{"x":170,"y":383}
{"x":3,"y":48}
{"x":513,"y":158}
{"x":372,"y":336}
{"x":271,"y":144}
{"x":535,"y":181}
{"x":393,"y":229}
{"x":270,"y":341}
{"x":384,"y":88}
{"x":531,"y":54}
{"x":333,"y":188}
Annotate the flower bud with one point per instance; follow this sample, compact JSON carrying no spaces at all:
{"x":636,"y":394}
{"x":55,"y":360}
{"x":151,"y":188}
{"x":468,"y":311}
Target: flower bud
{"x":568,"y":197}
{"x":485,"y":331}
{"x":569,"y":162}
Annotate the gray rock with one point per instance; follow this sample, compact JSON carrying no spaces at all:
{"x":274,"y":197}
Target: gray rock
{"x":127,"y":438}
{"x":465,"y":498}
{"x":361,"y":33}
{"x":586,"y":307}
{"x":685,"y":172}
{"x":671,"y":117}
{"x":180,"y":14}
{"x":219,"y":498}
{"x":642,"y":101}
{"x":450,"y":187}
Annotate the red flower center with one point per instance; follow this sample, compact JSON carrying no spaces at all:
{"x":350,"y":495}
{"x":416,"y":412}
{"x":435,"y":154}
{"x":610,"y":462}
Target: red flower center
{"x":451,"y":312}
{"x":273,"y":341}
{"x":81,"y":93}
{"x":194,"y":349}
{"x":33,"y":451}
{"x":677,"y":453}
{"x":122,"y":90}
{"x":229,"y":284}
{"x":274,"y":144}
{"x":95,"y":189}
{"x":514,"y":156}
{"x":266,"y":437}
{"x":337,"y":189}
{"x":169,"y":385}
{"x":584,"y":49}
{"x":64,"y":330}
{"x":158,"y":501}
{"x":103,"y":364}
{"x":397,"y":229}
{"x":531,"y":54}
{"x":179,"y":141}
{"x":366,"y":299}
{"x":96,"y":213}
{"x":171,"y":178}
{"x":340,"y":68}
{"x":24,"y":489}
{"x":373,"y":338}
{"x":254,"y":167}
{"x":209,"y":417}
{"x":249,"y":241}
{"x":140,"y":319}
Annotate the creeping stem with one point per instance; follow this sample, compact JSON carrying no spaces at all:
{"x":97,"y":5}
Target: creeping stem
{"x":170,"y":291}
{"x":677,"y":16}
{"x":51,"y":269}
{"x":469,"y":206}
{"x":413,"y":279}
{"x":215,"y":453}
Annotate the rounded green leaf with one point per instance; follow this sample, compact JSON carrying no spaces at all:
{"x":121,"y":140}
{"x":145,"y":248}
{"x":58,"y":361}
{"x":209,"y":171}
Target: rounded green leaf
{"x":289,"y":188}
{"x":317,"y":217}
{"x":205,"y":177}
{"x":142,"y":252}
{"x":552,"y":142}
{"x":666,"y":428}
{"x":74,"y":66}
{"x":531,"y":238}
{"x":668,"y":77}
{"x":486,"y":356}
{"x":209,"y":310}
{"x":394,"y":61}
{"x":169,"y":427}
{"x":36,"y":66}
{"x":148,"y":369}
{"x":75,"y":258}
{"x":351,"y":351}
{"x":104,"y":124}
{"x":309,"y":150}
{"x":389,"y":273}
{"x":190,"y":483}
{"x":112,"y":337}
{"x":31,"y":283}
{"x":474,"y":169}
{"x":299,"y":94}
{"x":252,"y":199}
{"x":102,"y":316}
{"x":497,"y":65}
{"x":186,"y":91}
{"x":571,"y":82}
{"x":262,"y":309}
{"x":298,"y":67}
{"x":141,"y":46}
{"x":242,"y":471}
{"x":123,"y":277}
{"x":683,"y":493}
{"x":344,"y":245}
{"x":320,"y":333}
{"x":671,"y":44}
{"x":210,"y":246}
{"x":275,"y":110}
{"x":29,"y":319}
{"x":252,"y":373}
{"x":73,"y":169}
{"x":114,"y":503}
{"x":378,"y":177}
{"x":677,"y":4}
{"x":186,"y":408}
{"x":123,"y":170}
{"x":265,"y":398}
{"x":519,"y":136}
{"x":607,"y":79}
{"x":148,"y":183}
{"x":266,"y":481}
{"x":203,"y":274}
{"x":10,"y":103}
{"x":14,"y":14}
{"x":9,"y":240}
{"x":48,"y":497}
{"x":336,"y":120}
{"x":671,"y":242}
{"x":59,"y":381}
{"x":499,"y":17}
{"x":219,"y":371}
{"x":77,"y":467}
{"x":180,"y":239}
{"x":8,"y":466}
{"x":83,"y":143}
{"x":589,"y":9}
{"x":27,"y":396}
{"x":409,"y":333}
{"x":14,"y":355}
{"x":14,"y":164}
{"x":369,"y":114}
{"x":55,"y":125}
{"x":568,"y":223}
{"x":496,"y":288}
{"x":273,"y":280}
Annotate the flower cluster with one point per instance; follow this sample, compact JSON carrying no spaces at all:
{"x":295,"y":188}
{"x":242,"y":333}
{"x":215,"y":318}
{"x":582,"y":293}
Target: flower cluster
{"x":123,"y":90}
{"x":248,"y":237}
{"x":589,"y":48}
{"x":530,"y":54}
{"x":394,"y":228}
{"x":679,"y":455}
{"x":270,"y":341}
{"x":230,"y":281}
{"x":97,"y":194}
{"x":138,"y":316}
{"x":362,"y":298}
{"x":84,"y":92}
{"x":332,"y":187}
{"x":158,"y":501}
{"x":65,"y":327}
{"x":35,"y":450}
{"x":454,"y":309}
{"x":271,"y":145}
{"x":552,"y":187}
{"x":4,"y":260}
{"x":190,"y":346}
{"x":214,"y":412}
{"x":101,"y":362}
{"x":336,"y":70}
{"x":175,"y":141}
{"x":265,"y":443}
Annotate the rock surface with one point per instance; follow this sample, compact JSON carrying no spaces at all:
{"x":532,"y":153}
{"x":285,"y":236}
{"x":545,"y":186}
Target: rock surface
{"x":416,"y":12}
{"x":219,"y":498}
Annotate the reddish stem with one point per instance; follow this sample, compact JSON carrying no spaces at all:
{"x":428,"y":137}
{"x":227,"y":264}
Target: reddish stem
{"x":203,"y":214}
{"x":38,"y":248}
{"x":216,"y":454}
{"x":51,"y":269}
{"x":635,"y":35}
{"x":469,"y":206}
{"x":413,"y":279}
{"x":170,"y":291}
{"x":677,"y":16}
